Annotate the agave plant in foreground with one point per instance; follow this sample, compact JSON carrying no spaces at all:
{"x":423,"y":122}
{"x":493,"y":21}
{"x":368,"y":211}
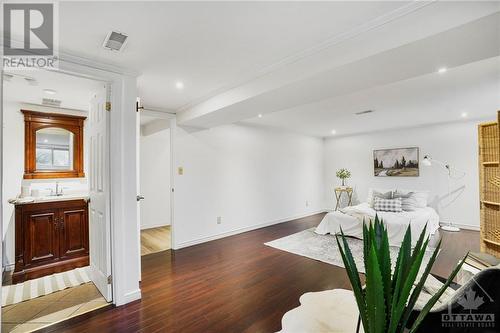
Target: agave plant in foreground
{"x":387,"y":300}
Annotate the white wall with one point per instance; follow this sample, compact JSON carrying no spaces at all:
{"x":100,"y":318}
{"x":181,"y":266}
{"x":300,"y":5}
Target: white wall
{"x":155,"y":179}
{"x":13,"y":170}
{"x":454,"y":143}
{"x":249,"y":176}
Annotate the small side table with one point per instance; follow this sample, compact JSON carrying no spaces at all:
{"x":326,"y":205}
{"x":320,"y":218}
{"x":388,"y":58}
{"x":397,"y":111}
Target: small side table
{"x":338,"y":195}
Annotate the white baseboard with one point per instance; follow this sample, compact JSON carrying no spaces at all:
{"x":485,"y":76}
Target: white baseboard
{"x":461,"y":226}
{"x":242,"y":230}
{"x":9,"y":267}
{"x":129,"y":297}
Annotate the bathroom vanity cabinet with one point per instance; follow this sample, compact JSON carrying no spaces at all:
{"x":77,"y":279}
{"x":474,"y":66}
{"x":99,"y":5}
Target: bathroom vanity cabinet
{"x":50,"y":237}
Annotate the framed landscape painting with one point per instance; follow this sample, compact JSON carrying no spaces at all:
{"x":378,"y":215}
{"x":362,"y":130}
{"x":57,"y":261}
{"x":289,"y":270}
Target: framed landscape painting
{"x":396,"y":162}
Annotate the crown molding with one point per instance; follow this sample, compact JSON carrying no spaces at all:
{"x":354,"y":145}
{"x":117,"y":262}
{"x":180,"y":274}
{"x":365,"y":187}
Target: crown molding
{"x":86,"y":62}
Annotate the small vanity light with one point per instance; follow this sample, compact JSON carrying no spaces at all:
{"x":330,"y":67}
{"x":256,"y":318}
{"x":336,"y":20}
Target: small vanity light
{"x":179,"y":85}
{"x":464,"y":114}
{"x":334,"y":132}
{"x":259,"y":115}
{"x":442,"y":70}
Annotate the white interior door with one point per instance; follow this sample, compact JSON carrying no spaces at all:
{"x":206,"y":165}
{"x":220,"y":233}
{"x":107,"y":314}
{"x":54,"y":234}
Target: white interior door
{"x":138,"y":184}
{"x":99,"y":207}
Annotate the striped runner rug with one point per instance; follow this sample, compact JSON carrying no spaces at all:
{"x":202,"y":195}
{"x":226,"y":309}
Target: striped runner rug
{"x":45,"y":285}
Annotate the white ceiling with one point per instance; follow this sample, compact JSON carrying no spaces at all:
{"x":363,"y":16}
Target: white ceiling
{"x":206,"y":45}
{"x":74,"y":92}
{"x":305,"y":65}
{"x":473,"y":89}
{"x":295,"y":84}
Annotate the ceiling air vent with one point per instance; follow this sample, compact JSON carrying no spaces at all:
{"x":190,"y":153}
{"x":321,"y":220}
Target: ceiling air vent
{"x":115,"y":41}
{"x":363,"y":112}
{"x":51,"y":102}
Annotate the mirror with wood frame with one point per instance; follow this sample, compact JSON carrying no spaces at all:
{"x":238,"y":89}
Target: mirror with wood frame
{"x":53,"y":145}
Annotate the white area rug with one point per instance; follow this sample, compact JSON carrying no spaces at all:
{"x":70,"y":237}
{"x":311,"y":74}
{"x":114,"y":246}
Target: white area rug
{"x":323,"y":311}
{"x":324,"y":248}
{"x":43,"y":286}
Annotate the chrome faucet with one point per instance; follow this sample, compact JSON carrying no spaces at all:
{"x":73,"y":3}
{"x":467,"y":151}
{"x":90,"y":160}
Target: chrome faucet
{"x":59,"y":192}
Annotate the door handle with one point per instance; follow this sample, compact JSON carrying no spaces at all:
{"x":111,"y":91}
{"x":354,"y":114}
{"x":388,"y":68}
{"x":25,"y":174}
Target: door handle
{"x":140,"y":197}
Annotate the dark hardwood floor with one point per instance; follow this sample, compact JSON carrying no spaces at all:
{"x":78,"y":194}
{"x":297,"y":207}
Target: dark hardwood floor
{"x":235,"y":284}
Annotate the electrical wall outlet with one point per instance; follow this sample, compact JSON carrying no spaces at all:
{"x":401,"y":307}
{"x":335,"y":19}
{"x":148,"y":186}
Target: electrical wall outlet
{"x":219,"y":219}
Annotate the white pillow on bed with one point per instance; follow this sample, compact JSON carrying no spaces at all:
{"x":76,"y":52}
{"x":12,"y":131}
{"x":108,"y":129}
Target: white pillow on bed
{"x":412,"y":199}
{"x":370,"y":197}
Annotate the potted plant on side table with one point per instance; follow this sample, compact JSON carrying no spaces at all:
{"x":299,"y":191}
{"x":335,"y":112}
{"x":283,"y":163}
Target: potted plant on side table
{"x":343,"y":174}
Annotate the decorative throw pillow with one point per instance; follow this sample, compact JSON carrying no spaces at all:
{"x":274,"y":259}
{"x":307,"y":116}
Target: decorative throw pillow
{"x":412,"y":199}
{"x":371,"y":190}
{"x":388,"y":205}
{"x":380,"y":195}
{"x":408,"y":201}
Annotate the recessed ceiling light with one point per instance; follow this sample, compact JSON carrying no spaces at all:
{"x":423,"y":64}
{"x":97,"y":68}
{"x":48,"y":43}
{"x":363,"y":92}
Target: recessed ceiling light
{"x":442,"y":70}
{"x":179,"y":85}
{"x":259,"y":115}
{"x":334,"y":132}
{"x":464,"y":114}
{"x":45,"y":141}
{"x":49,"y":91}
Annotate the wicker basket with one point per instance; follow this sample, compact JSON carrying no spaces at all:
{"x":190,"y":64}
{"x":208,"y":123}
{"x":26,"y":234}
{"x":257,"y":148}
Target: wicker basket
{"x":489,"y":174}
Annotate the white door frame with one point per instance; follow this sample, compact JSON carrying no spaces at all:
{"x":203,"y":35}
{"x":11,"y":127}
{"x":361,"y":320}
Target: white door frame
{"x":122,"y":128}
{"x":125,"y":270}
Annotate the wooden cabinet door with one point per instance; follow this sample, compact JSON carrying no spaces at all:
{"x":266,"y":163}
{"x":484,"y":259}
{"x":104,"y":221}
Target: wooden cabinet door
{"x":74,"y":231}
{"x":41,"y":237}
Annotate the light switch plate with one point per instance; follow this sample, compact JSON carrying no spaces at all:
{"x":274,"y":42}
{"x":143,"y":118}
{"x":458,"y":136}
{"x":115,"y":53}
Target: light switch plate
{"x":180,"y":171}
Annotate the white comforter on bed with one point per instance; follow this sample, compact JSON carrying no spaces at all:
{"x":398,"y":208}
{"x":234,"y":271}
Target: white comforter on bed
{"x":351,"y":221}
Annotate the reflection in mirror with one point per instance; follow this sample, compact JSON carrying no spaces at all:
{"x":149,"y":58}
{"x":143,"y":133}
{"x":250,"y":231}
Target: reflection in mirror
{"x":54,"y":149}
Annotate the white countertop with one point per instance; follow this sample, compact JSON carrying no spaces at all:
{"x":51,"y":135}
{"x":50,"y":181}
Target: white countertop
{"x":50,"y":198}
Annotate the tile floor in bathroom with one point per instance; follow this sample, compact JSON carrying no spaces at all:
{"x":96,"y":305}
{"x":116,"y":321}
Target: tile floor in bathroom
{"x":49,"y":309}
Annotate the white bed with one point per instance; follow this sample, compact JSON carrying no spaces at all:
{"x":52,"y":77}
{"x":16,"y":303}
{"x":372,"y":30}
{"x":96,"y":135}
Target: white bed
{"x":351,"y":221}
